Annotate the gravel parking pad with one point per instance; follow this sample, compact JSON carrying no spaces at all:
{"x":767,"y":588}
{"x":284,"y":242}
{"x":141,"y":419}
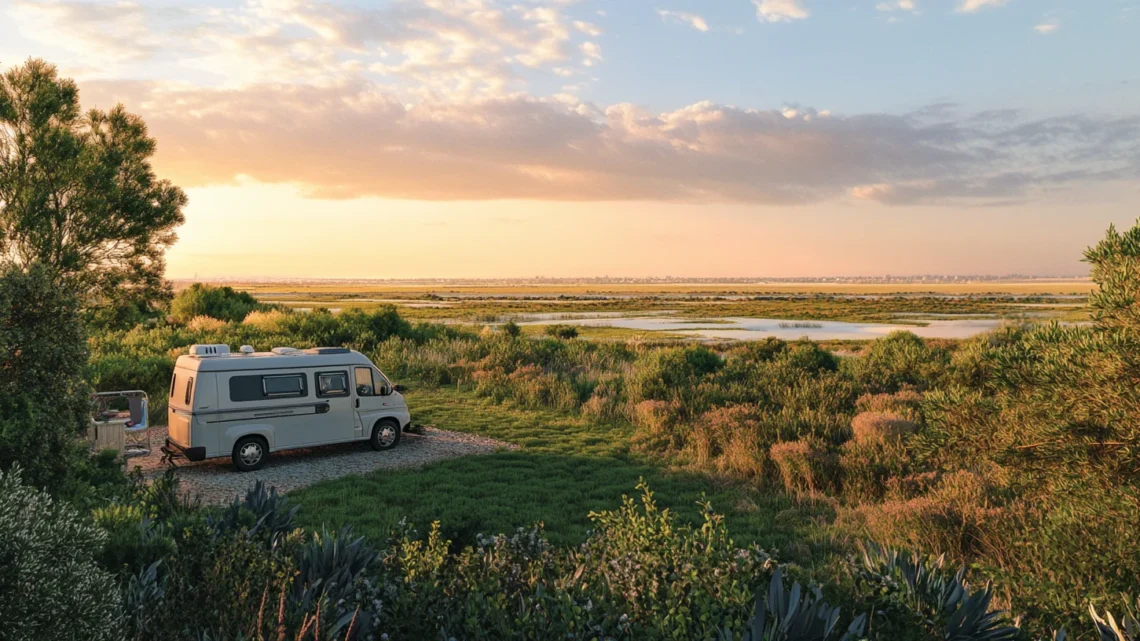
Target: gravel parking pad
{"x":215,"y":481}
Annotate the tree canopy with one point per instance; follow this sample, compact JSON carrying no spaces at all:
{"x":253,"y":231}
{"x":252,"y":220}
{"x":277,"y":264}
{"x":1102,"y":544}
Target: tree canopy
{"x":78,"y":193}
{"x":1116,"y":270}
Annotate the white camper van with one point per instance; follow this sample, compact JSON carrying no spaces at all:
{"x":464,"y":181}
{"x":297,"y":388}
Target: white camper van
{"x":248,"y":404}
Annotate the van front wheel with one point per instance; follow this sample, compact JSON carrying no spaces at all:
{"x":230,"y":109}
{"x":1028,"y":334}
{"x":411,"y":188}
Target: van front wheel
{"x":250,"y":453}
{"x":385,"y":435}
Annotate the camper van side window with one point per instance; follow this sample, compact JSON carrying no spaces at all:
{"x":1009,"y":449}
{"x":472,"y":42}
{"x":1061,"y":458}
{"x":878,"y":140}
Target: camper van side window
{"x":173,"y":384}
{"x":189,"y":390}
{"x":283,"y":385}
{"x":259,"y":388}
{"x":332,"y":384}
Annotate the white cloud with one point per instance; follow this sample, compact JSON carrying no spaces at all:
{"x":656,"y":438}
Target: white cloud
{"x":592,"y":52}
{"x":971,"y":6}
{"x":114,"y":32}
{"x":427,"y":48}
{"x":897,"y":5}
{"x":779,"y":10}
{"x":588,"y":28}
{"x":681,"y":17}
{"x":1046,"y":28}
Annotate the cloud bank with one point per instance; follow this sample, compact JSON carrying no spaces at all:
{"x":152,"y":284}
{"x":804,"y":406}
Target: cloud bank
{"x":356,"y":140}
{"x":431,"y":99}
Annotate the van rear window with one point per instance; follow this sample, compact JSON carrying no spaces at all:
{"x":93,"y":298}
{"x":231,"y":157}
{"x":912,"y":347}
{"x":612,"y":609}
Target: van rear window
{"x":258,"y":388}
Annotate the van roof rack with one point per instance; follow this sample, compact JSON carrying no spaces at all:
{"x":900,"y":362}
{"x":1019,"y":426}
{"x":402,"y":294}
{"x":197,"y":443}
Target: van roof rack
{"x":328,"y":350}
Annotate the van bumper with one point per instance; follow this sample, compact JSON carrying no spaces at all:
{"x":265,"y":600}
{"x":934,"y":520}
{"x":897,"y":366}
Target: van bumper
{"x":191,"y":453}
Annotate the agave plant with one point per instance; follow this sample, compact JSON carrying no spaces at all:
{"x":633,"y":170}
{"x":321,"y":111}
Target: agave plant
{"x":271,"y":513}
{"x":924,"y":587}
{"x":142,"y":596}
{"x":795,"y":615}
{"x":330,"y":569}
{"x":1108,"y":628}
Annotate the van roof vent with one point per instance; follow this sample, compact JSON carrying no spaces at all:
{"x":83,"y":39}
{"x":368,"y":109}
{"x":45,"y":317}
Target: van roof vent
{"x":327,"y":350}
{"x":205,"y":351}
{"x":282,"y":351}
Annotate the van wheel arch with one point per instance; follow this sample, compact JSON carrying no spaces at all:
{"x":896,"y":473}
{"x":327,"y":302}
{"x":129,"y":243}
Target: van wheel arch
{"x":241,"y":455}
{"x":385,"y":434}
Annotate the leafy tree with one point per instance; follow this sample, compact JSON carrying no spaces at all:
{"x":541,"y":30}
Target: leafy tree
{"x":78,"y":194}
{"x":43,"y":399}
{"x":1116,"y":269}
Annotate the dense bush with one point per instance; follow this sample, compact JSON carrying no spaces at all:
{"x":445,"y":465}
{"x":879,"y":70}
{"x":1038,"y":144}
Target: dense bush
{"x":43,"y":397}
{"x":50,"y":584}
{"x":223,"y":303}
{"x":561,"y":331}
{"x":245,"y":572}
{"x":640,"y":575}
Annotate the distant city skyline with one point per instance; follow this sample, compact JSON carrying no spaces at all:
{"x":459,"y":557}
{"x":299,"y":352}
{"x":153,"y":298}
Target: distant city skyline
{"x":575,"y":138}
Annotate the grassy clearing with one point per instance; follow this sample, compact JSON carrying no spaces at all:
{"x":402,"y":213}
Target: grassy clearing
{"x":565,"y":467}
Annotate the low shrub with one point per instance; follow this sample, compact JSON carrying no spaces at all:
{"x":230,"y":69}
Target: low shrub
{"x":730,"y":440}
{"x":965,"y":515}
{"x":561,"y":331}
{"x":870,"y":465}
{"x":641,"y":574}
{"x":899,"y":361}
{"x":51,"y":586}
{"x":804,"y":467}
{"x":871,"y":428}
{"x":512,"y":329}
{"x":906,"y":404}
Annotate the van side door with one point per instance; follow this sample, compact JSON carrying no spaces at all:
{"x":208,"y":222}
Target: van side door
{"x":335,"y":406}
{"x":373,"y":398}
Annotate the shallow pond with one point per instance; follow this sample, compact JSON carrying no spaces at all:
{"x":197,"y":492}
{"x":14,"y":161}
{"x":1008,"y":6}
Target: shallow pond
{"x":759,"y":328}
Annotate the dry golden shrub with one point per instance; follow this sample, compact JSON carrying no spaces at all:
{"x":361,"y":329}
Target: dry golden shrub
{"x":205,"y":324}
{"x":267,"y":321}
{"x":905,"y":404}
{"x":880,"y":428}
{"x":805,"y":469}
{"x":964,"y":515}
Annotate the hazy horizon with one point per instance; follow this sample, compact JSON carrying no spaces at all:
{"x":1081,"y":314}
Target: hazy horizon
{"x":579,"y":138}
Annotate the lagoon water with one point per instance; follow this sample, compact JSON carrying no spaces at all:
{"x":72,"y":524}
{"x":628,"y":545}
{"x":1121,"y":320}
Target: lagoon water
{"x":760,"y":328}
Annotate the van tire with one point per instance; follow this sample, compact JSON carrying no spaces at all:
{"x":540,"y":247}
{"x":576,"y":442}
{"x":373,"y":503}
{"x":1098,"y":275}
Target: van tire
{"x":385,"y":434}
{"x":245,"y":447}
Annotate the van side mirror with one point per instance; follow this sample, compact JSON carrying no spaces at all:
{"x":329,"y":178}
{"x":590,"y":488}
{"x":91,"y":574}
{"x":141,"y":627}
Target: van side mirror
{"x":398,"y":388}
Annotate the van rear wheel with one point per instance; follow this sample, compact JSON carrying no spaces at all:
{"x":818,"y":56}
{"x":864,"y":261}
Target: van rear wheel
{"x":385,"y":435}
{"x":250,"y":453}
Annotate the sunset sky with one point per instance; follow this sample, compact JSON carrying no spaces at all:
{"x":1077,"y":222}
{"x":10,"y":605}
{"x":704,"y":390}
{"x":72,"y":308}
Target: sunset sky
{"x":479,"y":138}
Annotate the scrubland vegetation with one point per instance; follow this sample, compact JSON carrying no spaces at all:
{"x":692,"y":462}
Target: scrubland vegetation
{"x":1009,"y":455}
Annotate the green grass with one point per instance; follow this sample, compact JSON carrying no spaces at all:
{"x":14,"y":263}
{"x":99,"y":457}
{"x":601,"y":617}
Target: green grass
{"x":565,"y":467}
